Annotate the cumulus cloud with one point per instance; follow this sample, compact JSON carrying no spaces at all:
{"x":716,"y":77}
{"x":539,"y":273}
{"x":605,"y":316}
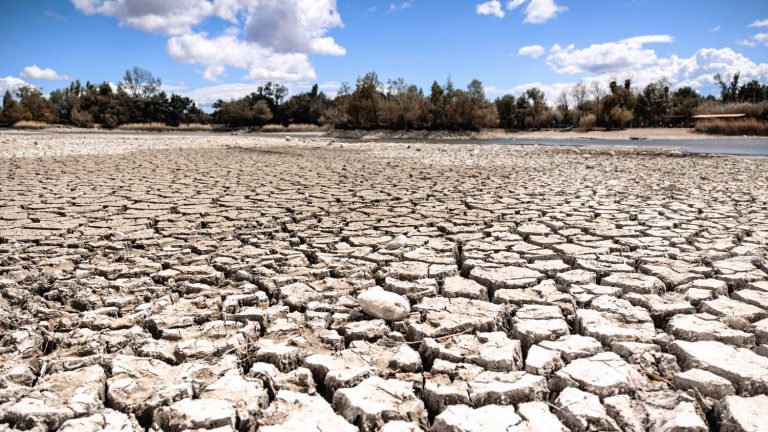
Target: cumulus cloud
{"x":605,"y":57}
{"x":759,"y":23}
{"x":35,"y":72}
{"x":534,"y":51}
{"x":277,"y":35}
{"x":537,"y":11}
{"x":294,"y":26}
{"x":492,"y":7}
{"x":601,"y":64}
{"x":228,"y":50}
{"x":541,"y":11}
{"x":11,"y":84}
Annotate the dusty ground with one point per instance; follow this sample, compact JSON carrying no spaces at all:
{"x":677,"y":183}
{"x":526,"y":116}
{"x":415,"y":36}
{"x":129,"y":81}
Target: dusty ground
{"x":169,"y":283}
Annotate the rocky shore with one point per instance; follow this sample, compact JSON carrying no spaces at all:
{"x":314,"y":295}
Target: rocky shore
{"x":237,"y":283}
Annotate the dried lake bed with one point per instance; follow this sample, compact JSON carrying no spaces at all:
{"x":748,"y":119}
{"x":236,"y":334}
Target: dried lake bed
{"x":232,"y":282}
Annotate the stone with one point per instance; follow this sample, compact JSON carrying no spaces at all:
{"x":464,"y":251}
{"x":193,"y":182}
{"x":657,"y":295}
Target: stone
{"x":107,"y":420}
{"x":747,"y":371}
{"x":196,"y":414}
{"x":57,"y":398}
{"x":489,"y":418}
{"x":742,"y":414}
{"x":724,"y":306}
{"x":635,"y":283}
{"x":542,"y":361}
{"x":706,"y":383}
{"x":604,"y":374}
{"x":582,"y":411}
{"x":457,"y":286}
{"x":295,"y":412}
{"x":492,"y":351}
{"x":385,"y":305}
{"x":376,"y":401}
{"x":706,"y":327}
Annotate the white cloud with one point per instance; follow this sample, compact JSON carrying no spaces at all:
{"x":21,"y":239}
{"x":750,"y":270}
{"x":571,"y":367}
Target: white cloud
{"x":395,"y":7}
{"x":696,"y":71}
{"x":11,"y":84}
{"x":492,"y":7}
{"x":755,"y":40}
{"x":534,"y":51}
{"x":759,"y":23}
{"x":605,"y":57}
{"x":537,"y":11}
{"x":278,"y":35}
{"x":226,"y":50}
{"x":715,"y":29}
{"x":170,"y":17}
{"x":35,"y":72}
{"x":294,"y":26}
{"x":541,"y":11}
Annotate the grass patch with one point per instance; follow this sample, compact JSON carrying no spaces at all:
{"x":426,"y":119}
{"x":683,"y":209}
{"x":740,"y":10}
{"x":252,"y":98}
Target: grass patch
{"x":755,"y":110}
{"x":298,"y":127}
{"x":35,"y":125}
{"x":747,"y":126}
{"x":194,"y":127}
{"x":145,"y":127}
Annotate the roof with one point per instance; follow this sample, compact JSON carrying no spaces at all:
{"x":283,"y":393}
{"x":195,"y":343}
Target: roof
{"x":717,"y":116}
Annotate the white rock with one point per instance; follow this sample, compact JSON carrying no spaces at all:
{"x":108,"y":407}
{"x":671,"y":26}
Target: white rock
{"x":382,"y":304}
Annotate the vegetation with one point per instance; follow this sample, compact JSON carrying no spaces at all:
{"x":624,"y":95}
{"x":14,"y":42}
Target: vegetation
{"x":138,"y":103}
{"x":747,"y":126}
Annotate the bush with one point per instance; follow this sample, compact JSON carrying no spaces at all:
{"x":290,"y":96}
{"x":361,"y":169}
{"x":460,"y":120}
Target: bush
{"x":587,"y":122}
{"x":747,"y":126}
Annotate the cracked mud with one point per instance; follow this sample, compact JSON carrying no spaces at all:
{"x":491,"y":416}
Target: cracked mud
{"x":241,"y":283}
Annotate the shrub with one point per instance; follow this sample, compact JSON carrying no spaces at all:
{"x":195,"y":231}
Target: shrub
{"x":747,"y":126}
{"x":587,"y":122}
{"x":298,"y":127}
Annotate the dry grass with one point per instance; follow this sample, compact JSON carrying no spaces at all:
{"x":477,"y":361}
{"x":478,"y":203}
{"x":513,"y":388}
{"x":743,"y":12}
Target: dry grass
{"x":747,"y":126}
{"x":194,"y":127}
{"x":298,"y":127}
{"x":146,"y":127}
{"x":755,"y":110}
{"x":27,"y":124}
{"x":162,"y":127}
{"x":587,"y":122}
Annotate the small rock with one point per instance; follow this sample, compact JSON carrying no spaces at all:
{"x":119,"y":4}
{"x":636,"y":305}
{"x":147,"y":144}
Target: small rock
{"x":385,"y":305}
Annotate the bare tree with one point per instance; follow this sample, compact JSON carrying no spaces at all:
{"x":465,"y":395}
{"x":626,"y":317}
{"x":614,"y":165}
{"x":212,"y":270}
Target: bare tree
{"x":139,"y":82}
{"x":579,"y":94}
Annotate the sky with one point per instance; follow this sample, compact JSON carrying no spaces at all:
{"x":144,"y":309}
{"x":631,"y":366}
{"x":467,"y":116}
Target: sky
{"x":223,"y":49}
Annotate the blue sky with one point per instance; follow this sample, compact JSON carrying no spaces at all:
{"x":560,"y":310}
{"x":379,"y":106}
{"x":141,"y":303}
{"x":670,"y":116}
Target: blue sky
{"x":211,"y":49}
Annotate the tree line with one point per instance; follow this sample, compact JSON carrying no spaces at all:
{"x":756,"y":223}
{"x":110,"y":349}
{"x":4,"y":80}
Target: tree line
{"x":372,"y":104}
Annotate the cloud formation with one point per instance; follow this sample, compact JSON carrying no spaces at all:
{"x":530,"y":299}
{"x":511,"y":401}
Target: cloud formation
{"x":492,"y":7}
{"x":11,"y":84}
{"x":35,"y":72}
{"x":537,"y":11}
{"x":534,"y":51}
{"x":607,"y":57}
{"x":277,"y":35}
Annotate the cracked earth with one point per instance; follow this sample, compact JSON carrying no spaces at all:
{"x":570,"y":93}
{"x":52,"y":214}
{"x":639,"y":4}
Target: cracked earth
{"x":240,"y":283}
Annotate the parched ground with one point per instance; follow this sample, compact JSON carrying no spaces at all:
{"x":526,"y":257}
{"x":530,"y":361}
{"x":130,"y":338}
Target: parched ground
{"x":220,"y":282}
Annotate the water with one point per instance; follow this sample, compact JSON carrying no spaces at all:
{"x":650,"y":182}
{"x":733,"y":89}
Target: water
{"x":727,"y":146}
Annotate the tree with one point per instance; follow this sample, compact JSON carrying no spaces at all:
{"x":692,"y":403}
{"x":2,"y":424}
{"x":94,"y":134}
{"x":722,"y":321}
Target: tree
{"x":34,"y":105}
{"x":579,"y":95}
{"x":684,"y":102}
{"x":538,"y":104}
{"x":653,"y":103}
{"x":507,"y":109}
{"x":365,"y":101}
{"x":140,"y":83}
{"x":563,"y":108}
